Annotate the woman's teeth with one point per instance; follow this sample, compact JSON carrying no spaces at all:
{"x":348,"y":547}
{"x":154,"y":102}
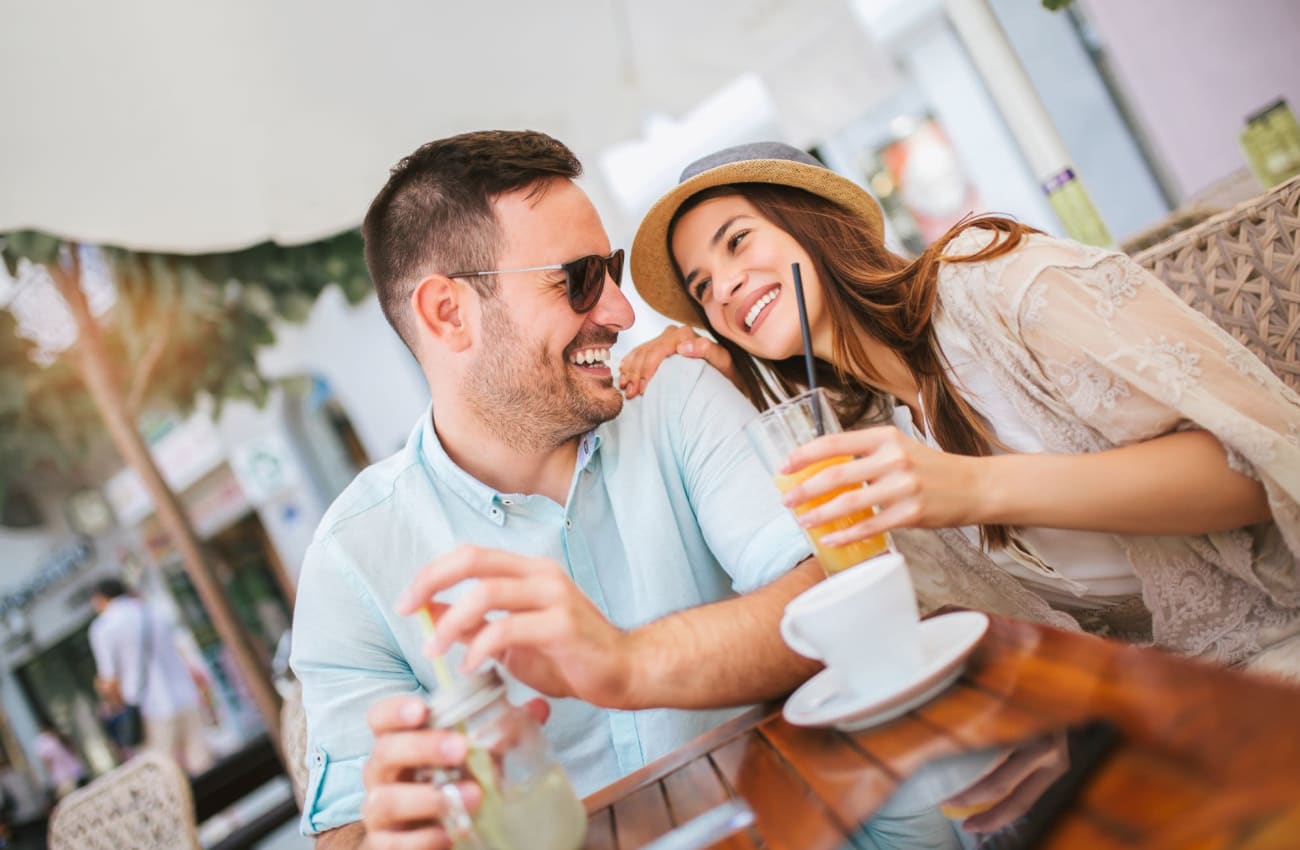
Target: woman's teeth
{"x":758,"y":307}
{"x":590,"y":356}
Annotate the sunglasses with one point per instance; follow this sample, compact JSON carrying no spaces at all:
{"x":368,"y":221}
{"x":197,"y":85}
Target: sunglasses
{"x":584,"y":278}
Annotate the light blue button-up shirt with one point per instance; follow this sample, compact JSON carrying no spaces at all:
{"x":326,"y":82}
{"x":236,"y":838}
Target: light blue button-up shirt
{"x":668,"y":509}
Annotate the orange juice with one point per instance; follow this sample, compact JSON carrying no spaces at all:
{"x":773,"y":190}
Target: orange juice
{"x":963,"y":812}
{"x":833,"y":558}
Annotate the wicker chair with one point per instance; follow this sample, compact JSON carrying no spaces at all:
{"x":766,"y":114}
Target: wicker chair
{"x":293,"y":739}
{"x":1242,"y":269}
{"x":143,"y":805}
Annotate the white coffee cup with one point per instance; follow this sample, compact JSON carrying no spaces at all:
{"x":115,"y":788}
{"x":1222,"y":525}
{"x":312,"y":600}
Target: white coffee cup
{"x":862,"y":623}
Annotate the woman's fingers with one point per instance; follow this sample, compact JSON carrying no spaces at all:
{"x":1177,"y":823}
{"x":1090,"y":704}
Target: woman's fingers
{"x":902,"y":515}
{"x":639,"y":366}
{"x":860,"y":443}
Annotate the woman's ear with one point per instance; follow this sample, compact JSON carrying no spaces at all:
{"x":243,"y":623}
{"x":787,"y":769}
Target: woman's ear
{"x":436,"y":304}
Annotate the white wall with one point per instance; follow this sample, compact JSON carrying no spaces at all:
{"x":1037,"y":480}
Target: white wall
{"x":375,"y":378}
{"x":1101,"y":148}
{"x":1195,"y":69}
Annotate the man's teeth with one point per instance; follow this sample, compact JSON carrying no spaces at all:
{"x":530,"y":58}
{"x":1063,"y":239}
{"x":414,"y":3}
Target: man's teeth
{"x":588,"y":356}
{"x":758,"y":307}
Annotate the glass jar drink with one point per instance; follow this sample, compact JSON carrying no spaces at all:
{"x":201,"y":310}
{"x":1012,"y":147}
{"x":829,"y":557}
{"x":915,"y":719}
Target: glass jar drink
{"x":781,"y":429}
{"x":528,"y":803}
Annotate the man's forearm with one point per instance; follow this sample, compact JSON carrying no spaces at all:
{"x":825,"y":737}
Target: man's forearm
{"x":350,"y":837}
{"x":722,"y":654}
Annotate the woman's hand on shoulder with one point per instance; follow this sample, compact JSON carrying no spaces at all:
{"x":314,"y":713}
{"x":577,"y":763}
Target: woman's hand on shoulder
{"x":637,"y":368}
{"x":909,"y":484}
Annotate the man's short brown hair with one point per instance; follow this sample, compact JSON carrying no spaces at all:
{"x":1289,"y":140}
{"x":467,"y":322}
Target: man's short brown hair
{"x":435,"y":213}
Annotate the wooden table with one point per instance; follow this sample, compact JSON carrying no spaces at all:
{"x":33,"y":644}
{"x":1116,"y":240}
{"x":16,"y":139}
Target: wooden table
{"x":1210,"y":758}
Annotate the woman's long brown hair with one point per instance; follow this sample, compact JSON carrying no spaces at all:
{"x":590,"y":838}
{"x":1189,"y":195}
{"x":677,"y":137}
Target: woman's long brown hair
{"x":869,"y":290}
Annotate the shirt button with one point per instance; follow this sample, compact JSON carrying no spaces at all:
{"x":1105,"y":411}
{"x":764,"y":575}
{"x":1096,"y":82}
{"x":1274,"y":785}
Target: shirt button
{"x":496,"y":512}
{"x":568,"y":523}
{"x":506,"y":502}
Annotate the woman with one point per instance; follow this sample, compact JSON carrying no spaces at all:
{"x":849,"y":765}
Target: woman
{"x":1080,"y":437}
{"x":63,"y":769}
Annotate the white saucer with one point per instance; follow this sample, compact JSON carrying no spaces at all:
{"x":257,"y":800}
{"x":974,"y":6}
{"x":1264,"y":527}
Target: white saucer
{"x":946,"y":641}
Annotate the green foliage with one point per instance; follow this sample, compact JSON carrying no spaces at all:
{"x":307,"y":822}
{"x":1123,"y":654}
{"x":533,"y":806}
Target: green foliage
{"x":1056,"y":5}
{"x":46,"y":417}
{"x":37,"y":247}
{"x":200,"y":319}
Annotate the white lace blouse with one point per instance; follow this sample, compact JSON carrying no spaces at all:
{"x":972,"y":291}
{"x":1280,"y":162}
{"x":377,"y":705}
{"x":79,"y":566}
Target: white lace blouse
{"x":1068,"y":568}
{"x":1092,"y":352}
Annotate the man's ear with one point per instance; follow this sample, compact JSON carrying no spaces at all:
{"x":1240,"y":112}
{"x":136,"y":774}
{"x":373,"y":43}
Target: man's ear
{"x":439,"y":309}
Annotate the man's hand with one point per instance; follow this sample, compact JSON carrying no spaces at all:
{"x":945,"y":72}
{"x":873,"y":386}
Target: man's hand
{"x":111,"y":692}
{"x":399,"y":811}
{"x":552,"y":638}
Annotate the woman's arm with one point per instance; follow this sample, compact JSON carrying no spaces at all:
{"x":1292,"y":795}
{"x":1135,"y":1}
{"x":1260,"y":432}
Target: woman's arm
{"x":640,"y":364}
{"x":1174,"y":484}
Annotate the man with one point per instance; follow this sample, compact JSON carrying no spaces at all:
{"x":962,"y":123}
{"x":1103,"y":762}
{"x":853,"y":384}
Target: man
{"x":608,"y":550}
{"x":137,"y":663}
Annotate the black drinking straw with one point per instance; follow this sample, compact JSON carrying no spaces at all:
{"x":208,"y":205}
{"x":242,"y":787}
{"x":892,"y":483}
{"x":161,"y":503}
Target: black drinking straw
{"x":807,"y":347}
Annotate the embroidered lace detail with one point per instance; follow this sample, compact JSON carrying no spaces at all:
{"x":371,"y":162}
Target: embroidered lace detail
{"x":1249,"y":441}
{"x":1087,"y":385}
{"x":1066,"y":334}
{"x":1247,"y":364}
{"x":1174,"y":366}
{"x":1111,"y":287}
{"x":1035,"y":304}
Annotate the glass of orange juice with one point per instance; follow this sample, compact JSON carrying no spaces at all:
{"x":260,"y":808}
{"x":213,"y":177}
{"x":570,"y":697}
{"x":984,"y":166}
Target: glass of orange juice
{"x":781,"y":429}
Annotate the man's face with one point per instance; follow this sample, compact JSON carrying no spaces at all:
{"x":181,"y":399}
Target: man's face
{"x":541,"y":375}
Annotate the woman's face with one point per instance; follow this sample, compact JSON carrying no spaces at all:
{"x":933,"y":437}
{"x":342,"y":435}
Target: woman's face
{"x":736,"y":264}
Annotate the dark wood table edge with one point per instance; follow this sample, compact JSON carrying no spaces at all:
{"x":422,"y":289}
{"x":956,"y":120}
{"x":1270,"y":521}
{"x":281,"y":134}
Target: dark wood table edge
{"x":680,"y":757}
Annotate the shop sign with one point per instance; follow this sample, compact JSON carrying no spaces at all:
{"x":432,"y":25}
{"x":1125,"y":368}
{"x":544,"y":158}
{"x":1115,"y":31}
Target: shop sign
{"x":265,"y":466}
{"x":61,"y":565}
{"x":184,"y":454}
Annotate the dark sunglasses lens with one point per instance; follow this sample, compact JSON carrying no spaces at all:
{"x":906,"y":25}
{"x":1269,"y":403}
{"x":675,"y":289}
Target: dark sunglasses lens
{"x":587,"y":278}
{"x":616,"y":266}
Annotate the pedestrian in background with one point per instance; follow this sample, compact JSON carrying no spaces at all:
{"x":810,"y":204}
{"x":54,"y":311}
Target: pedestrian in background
{"x":138,"y":663}
{"x":64,"y":771}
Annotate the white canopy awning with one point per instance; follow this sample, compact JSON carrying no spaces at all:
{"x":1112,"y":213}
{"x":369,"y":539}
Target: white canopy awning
{"x":185,"y":126}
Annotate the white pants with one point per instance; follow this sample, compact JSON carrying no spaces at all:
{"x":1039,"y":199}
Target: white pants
{"x":181,"y":737}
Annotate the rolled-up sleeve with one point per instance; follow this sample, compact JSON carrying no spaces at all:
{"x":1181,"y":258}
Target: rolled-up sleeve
{"x":752,"y":534}
{"x":346,"y":659}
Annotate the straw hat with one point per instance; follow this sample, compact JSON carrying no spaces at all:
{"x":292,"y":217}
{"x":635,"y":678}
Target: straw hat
{"x":653,"y":272}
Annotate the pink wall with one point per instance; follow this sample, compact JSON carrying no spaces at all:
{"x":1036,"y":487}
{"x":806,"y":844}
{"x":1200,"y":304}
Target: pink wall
{"x":1196,"y":68}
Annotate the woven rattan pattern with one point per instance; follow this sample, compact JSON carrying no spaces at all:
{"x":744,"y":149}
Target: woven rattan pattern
{"x":1242,"y":269}
{"x":293,"y":740}
{"x":143,"y":805}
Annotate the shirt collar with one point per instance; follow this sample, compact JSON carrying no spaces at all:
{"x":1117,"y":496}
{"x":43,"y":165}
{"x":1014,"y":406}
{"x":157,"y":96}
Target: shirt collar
{"x":587,"y":449}
{"x":482,"y":498}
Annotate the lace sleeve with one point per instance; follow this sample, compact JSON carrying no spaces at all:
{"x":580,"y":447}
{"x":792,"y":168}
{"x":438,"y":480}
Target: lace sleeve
{"x":1131,"y":361}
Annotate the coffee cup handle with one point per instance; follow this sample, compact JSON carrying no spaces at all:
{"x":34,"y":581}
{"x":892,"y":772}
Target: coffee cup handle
{"x":797,"y":642}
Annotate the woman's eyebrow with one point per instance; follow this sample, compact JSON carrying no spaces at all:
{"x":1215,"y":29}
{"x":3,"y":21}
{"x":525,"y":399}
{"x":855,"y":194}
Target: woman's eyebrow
{"x":713,"y":243}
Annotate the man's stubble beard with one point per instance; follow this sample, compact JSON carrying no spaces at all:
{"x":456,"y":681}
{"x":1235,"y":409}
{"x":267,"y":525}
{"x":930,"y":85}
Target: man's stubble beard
{"x":524,"y":399}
